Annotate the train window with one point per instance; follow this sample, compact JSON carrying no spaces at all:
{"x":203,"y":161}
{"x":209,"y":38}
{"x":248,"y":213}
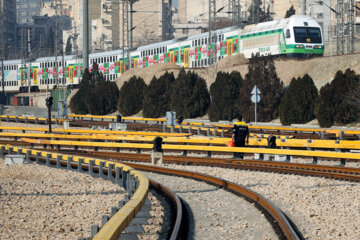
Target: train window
{"x":202,"y":41}
{"x":108,"y":59}
{"x":152,"y":51}
{"x":206,"y":41}
{"x":260,"y":33}
{"x":195,"y":43}
{"x":287,"y":33}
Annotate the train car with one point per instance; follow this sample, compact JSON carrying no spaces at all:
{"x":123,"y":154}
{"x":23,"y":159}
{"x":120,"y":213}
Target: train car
{"x":297,"y":36}
{"x":154,"y":53}
{"x":110,"y":64}
{"x":11,"y":75}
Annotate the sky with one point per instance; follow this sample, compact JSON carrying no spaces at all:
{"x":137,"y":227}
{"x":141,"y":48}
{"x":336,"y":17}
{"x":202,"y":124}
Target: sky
{"x":175,"y":3}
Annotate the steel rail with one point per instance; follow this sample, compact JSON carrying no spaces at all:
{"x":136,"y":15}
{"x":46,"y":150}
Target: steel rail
{"x":333,"y":172}
{"x":176,"y":202}
{"x":280,"y":223}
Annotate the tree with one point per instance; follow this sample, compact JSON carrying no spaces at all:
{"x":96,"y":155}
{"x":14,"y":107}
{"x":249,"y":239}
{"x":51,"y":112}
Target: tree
{"x":259,"y":14}
{"x":95,"y":95}
{"x":224,"y":94}
{"x":68,"y":46}
{"x":131,"y":96}
{"x":190,"y":97}
{"x":157,"y":96}
{"x":291,"y":11}
{"x":298,"y":103}
{"x":333,"y":106}
{"x":262,"y":73}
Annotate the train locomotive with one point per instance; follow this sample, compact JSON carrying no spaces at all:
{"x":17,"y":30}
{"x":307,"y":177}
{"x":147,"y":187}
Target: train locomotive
{"x":297,"y":36}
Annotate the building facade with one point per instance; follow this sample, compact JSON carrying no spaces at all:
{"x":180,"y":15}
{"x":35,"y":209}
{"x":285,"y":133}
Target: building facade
{"x":8,"y":22}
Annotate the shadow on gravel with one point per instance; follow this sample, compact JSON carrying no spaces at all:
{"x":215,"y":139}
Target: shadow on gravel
{"x":207,"y":190}
{"x":187,"y":230}
{"x":256,"y":185}
{"x":62,"y":194}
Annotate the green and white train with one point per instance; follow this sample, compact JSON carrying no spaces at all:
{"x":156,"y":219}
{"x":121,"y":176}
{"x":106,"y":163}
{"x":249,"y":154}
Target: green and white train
{"x":297,"y":36}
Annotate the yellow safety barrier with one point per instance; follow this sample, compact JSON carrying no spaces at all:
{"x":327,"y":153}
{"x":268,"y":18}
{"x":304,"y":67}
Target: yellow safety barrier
{"x":308,"y":153}
{"x":261,"y":142}
{"x":114,"y":118}
{"x":97,"y":131}
{"x":117,"y":223}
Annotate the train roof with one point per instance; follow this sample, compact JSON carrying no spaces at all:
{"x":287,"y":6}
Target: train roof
{"x":206,"y":34}
{"x":158,"y":44}
{"x":277,"y":24}
{"x":107,"y":53}
{"x":59,"y":58}
{"x":10,"y":62}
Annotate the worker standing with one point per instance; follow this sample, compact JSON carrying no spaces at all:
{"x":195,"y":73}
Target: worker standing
{"x":240,"y":134}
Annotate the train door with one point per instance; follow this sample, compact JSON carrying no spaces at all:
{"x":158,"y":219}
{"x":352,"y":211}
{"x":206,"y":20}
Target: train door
{"x":172,"y":60}
{"x":121,"y":66}
{"x":71,"y":74}
{"x":186,"y":57}
{"x":34,"y":76}
{"x":136,"y":62}
{"x":22,"y":76}
{"x":229,"y":47}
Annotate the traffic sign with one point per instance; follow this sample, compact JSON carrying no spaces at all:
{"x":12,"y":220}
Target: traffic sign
{"x":255,"y":91}
{"x":255,"y":98}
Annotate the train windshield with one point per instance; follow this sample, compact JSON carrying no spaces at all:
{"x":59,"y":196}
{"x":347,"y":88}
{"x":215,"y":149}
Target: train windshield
{"x":307,"y":35}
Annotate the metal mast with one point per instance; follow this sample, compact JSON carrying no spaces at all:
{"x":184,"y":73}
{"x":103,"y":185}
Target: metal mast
{"x":340,"y":27}
{"x":125,"y":34}
{"x":56,"y":43}
{"x":85,"y":34}
{"x":212,"y":31}
{"x":351,"y":24}
{"x":236,"y":13}
{"x":2,"y":49}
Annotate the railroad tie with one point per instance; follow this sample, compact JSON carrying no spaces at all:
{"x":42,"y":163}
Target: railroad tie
{"x":80,"y":169}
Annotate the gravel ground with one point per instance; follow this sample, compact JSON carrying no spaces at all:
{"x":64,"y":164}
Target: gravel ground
{"x":320,"y":208}
{"x":217,"y":213}
{"x":37,"y":202}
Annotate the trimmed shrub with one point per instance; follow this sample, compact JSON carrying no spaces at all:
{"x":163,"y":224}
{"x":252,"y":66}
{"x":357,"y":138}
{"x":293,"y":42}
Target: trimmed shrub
{"x":131,"y":96}
{"x":96,"y":95}
{"x":298,"y":103}
{"x":190,"y":97}
{"x":262,"y":73}
{"x":157,"y":96}
{"x":224,"y":94}
{"x":333,"y":106}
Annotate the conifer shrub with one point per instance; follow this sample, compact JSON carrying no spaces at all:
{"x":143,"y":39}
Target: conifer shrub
{"x":299,"y":101}
{"x":224,"y":94}
{"x":131,"y":96}
{"x":96,"y":95}
{"x":189,"y":96}
{"x":262,"y":73}
{"x":333,"y":106}
{"x":157,"y":96}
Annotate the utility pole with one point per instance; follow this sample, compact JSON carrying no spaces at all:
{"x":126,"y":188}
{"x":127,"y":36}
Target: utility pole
{"x":62,"y":48}
{"x":56,"y":43}
{"x":125,"y":34}
{"x":2,"y":49}
{"x":85,"y":34}
{"x":212,"y":26}
{"x":236,"y":13}
{"x":29,"y":54}
{"x":351,"y":24}
{"x":340,"y":27}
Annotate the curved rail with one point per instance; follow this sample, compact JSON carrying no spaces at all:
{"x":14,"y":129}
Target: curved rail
{"x":281,"y":224}
{"x":176,"y":202}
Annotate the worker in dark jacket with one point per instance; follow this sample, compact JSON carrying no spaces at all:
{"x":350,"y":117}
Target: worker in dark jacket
{"x":240,"y":134}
